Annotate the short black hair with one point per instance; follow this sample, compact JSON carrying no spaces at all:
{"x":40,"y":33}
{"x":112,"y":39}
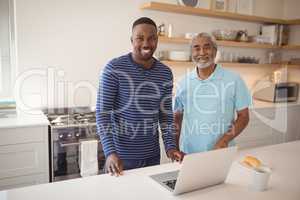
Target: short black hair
{"x":144,"y":20}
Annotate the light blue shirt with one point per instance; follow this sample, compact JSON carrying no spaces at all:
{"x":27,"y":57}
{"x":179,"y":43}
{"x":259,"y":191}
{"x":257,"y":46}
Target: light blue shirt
{"x":209,"y":107}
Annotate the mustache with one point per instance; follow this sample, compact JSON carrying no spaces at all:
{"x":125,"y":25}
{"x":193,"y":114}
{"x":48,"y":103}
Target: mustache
{"x":202,"y":58}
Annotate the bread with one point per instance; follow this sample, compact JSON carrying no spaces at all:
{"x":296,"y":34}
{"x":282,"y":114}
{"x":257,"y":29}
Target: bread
{"x":252,"y":161}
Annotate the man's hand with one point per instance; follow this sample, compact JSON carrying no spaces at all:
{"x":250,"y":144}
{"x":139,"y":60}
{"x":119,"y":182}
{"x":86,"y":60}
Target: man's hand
{"x":175,"y":155}
{"x":222,"y":143}
{"x":113,"y":165}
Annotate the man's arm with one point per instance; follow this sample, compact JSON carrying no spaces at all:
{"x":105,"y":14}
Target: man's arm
{"x":166,"y":121}
{"x":237,"y":127}
{"x":108,"y":89}
{"x":178,"y":116}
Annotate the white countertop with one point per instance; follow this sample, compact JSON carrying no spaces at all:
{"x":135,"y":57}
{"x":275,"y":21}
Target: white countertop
{"x":37,"y":118}
{"x":264,"y":104}
{"x":24,"y":119}
{"x":284,"y":160}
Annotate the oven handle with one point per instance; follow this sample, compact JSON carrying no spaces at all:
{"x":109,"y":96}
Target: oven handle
{"x":68,"y":144}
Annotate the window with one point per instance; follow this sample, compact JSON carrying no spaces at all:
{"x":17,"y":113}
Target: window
{"x":7,"y":49}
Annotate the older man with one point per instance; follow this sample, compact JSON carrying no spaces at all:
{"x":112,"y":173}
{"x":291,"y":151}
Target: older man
{"x":134,"y":100}
{"x":207,"y":100}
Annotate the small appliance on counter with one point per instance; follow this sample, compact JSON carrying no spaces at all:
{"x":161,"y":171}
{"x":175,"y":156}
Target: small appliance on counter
{"x":278,"y":92}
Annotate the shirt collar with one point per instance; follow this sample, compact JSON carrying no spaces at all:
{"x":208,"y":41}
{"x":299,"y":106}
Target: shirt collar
{"x":216,"y":75}
{"x":140,"y":67}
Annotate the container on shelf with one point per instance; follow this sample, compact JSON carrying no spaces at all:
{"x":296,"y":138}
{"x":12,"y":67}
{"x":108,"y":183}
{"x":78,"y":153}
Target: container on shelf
{"x":179,"y":56}
{"x":161,"y":55}
{"x":161,"y":30}
{"x":228,"y":35}
{"x":189,"y":35}
{"x":273,"y":57}
{"x":170,"y":31}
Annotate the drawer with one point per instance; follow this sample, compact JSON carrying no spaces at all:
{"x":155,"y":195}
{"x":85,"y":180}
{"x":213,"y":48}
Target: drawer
{"x":267,"y":112}
{"x":255,"y":116}
{"x":22,"y":181}
{"x":253,"y":144}
{"x":23,"y":159}
{"x":257,"y":132}
{"x":23,"y":135}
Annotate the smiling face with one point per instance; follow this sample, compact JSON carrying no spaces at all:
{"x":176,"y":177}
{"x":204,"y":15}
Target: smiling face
{"x":203,"y":52}
{"x":144,"y":42}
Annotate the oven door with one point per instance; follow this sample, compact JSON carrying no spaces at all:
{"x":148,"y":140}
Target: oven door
{"x":65,"y":154}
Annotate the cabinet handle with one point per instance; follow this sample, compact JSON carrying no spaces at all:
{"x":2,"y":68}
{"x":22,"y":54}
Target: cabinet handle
{"x":68,"y":144}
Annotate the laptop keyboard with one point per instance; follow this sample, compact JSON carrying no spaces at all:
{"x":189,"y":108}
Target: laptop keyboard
{"x":170,"y":183}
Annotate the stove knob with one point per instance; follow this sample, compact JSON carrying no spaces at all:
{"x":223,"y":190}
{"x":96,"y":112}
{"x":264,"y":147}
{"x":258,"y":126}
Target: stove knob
{"x":61,"y":136}
{"x":69,"y":135}
{"x":77,"y":134}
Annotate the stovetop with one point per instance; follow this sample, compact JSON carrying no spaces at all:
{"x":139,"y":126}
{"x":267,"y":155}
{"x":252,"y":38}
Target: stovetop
{"x":71,"y":117}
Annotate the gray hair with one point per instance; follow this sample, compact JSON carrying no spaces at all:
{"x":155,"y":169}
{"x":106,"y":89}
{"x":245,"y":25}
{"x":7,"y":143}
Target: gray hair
{"x":208,"y":36}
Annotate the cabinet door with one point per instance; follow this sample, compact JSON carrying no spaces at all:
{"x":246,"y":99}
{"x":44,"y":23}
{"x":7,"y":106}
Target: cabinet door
{"x":23,"y":159}
{"x":22,"y":181}
{"x":278,"y":136}
{"x":255,"y":136}
{"x":257,"y":133}
{"x":293,"y":130}
{"x":23,"y":135}
{"x":253,"y":143}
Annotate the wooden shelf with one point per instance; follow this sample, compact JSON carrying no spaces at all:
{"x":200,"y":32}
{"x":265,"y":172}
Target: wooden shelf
{"x":209,"y":13}
{"x":293,"y":66}
{"x":177,"y":63}
{"x":178,"y":40}
{"x":291,"y":47}
{"x":175,"y":40}
{"x":247,"y":45}
{"x":181,"y":40}
{"x":224,"y":64}
{"x":293,"y":21}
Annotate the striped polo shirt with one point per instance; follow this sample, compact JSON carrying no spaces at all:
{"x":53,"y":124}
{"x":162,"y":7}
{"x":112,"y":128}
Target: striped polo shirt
{"x":132,"y":104}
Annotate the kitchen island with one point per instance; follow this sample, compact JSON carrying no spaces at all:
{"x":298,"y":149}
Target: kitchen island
{"x":284,"y":184}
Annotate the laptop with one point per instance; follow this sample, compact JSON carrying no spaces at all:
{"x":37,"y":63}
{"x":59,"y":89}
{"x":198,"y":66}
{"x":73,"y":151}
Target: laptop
{"x":198,"y":170}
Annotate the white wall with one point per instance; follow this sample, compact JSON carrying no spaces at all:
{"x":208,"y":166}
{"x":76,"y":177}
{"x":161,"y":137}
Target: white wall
{"x":5,"y":65}
{"x":74,"y":36}
{"x":291,"y":9}
{"x":269,"y":8}
{"x":63,"y":44}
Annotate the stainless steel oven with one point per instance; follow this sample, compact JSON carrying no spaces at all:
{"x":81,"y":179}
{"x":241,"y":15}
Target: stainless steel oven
{"x":67,"y":127}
